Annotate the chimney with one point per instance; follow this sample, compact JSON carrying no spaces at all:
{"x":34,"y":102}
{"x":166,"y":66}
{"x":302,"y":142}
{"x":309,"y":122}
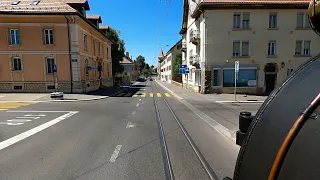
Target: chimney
{"x":127,"y":54}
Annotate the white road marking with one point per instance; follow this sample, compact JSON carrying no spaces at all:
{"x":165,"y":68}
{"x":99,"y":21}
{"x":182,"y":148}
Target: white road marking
{"x":42,"y":112}
{"x":31,"y":115}
{"x":35,"y":130}
{"x":115,"y":153}
{"x":28,"y":117}
{"x":130,"y":125}
{"x":137,"y":104}
{"x":19,"y":120}
{"x":139,"y":99}
{"x":134,"y":112}
{"x":239,"y":101}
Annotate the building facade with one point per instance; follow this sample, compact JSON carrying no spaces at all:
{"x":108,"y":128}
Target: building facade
{"x":130,"y":69}
{"x":268,"y":38}
{"x":47,"y":46}
{"x":166,"y":62}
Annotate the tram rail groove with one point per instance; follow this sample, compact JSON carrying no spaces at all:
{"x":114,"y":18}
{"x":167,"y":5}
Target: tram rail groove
{"x":211,"y":174}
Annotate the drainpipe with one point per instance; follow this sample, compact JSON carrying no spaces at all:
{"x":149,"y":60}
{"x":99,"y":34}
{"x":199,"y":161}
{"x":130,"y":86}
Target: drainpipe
{"x":70,"y":60}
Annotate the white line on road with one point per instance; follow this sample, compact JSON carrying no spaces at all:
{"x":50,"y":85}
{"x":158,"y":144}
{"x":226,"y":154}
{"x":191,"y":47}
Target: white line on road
{"x":139,"y":99}
{"x":43,"y":111}
{"x":130,"y":125}
{"x":239,"y":101}
{"x":115,"y":153}
{"x":28,"y":117}
{"x":137,"y":104}
{"x":35,"y":130}
{"x":134,"y":112}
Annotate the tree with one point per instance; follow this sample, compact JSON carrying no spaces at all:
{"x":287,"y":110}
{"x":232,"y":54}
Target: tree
{"x":147,"y":66}
{"x":177,"y":62}
{"x":141,"y":61}
{"x":145,"y":72}
{"x":117,"y":51}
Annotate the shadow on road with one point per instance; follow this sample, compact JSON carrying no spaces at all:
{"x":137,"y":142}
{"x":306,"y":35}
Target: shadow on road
{"x":124,"y":91}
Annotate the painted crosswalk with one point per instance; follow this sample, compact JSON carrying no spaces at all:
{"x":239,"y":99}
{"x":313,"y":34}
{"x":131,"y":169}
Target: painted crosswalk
{"x":143,"y":95}
{"x":4,"y":106}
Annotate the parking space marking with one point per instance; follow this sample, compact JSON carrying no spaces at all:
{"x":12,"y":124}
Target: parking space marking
{"x":35,"y":130}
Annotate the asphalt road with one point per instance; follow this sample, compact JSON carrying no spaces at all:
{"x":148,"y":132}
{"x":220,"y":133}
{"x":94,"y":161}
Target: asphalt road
{"x":114,"y":138}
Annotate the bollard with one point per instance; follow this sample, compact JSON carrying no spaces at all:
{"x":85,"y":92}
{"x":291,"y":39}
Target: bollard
{"x":245,"y":120}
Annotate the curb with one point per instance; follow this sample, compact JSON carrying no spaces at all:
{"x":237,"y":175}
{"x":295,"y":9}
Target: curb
{"x":236,"y":102}
{"x":93,"y":99}
{"x":224,"y":131}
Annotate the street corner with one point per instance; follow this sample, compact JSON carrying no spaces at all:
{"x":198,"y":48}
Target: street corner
{"x":18,"y":125}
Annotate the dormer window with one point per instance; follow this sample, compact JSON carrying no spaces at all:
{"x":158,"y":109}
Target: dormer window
{"x":15,"y":2}
{"x":83,"y":11}
{"x":35,"y":3}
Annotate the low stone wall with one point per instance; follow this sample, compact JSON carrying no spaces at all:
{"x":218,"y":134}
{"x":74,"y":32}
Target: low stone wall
{"x":240,"y":90}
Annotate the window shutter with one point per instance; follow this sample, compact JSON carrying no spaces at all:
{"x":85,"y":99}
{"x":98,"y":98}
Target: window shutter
{"x":9,"y":36}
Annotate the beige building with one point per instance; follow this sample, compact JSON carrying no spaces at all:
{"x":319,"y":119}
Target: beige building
{"x":268,"y":38}
{"x":52,"y":45}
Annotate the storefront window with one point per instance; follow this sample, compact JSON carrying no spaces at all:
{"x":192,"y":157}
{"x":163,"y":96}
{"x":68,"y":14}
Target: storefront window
{"x":246,"y":78}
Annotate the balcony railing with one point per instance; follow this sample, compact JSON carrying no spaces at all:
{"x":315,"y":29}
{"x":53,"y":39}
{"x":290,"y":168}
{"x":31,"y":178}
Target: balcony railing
{"x":195,"y":36}
{"x":194,"y":59}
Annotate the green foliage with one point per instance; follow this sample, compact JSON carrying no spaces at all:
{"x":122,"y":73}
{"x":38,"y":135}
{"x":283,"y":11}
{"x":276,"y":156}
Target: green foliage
{"x":141,"y":61}
{"x":177,"y":62}
{"x":117,"y":51}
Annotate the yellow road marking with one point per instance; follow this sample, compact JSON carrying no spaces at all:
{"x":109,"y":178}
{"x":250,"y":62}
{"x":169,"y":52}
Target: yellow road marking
{"x":151,"y":94}
{"x":158,"y":94}
{"x":167,"y":94}
{"x":121,"y":94}
{"x":143,"y":95}
{"x":3,"y":109}
{"x":135,"y":95}
{"x":129,"y":94}
{"x":11,"y":105}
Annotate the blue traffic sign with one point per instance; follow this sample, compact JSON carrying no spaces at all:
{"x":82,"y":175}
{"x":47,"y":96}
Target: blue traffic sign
{"x":183,"y":69}
{"x":182,"y":66}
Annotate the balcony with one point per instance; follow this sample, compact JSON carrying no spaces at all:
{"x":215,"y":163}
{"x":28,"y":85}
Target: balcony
{"x":194,"y":60}
{"x":195,"y":36}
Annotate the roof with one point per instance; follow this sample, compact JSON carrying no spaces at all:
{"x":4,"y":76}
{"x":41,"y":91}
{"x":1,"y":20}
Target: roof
{"x":95,"y":17}
{"x":43,"y":6}
{"x":161,"y":53}
{"x":245,"y":4}
{"x":173,"y":46}
{"x":85,"y":2}
{"x":125,"y":60}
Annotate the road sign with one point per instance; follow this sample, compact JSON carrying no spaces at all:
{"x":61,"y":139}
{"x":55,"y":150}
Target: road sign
{"x":236,"y":72}
{"x":187,"y":71}
{"x":183,"y":66}
{"x":183,"y":69}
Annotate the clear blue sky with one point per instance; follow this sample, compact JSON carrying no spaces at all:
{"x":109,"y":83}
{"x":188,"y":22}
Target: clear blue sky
{"x":139,"y":24}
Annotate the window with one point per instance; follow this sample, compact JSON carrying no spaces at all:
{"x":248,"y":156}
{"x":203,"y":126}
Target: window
{"x":16,"y":64}
{"x":50,"y":62}
{"x":302,"y":48}
{"x":273,"y":20}
{"x":246,"y":20}
{"x":85,"y":41}
{"x":245,"y":48}
{"x":216,"y":78}
{"x":94,"y":47}
{"x":48,"y":36}
{"x":236,"y":20}
{"x":102,"y":50}
{"x":14,"y":37}
{"x":272,"y":48}
{"x":241,"y":48}
{"x":289,"y":71}
{"x":246,"y":78}
{"x":303,"y":20}
{"x":107,"y":53}
{"x":86,"y":63}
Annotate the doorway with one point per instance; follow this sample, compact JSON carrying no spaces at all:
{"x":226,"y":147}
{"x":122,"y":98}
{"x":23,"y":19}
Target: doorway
{"x":270,"y":70}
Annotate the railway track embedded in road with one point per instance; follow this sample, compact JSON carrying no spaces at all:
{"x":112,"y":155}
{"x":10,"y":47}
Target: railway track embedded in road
{"x":165,"y":153}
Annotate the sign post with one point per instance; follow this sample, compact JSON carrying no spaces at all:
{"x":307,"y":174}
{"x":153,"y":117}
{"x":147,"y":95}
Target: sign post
{"x":236,"y":72}
{"x":183,"y":69}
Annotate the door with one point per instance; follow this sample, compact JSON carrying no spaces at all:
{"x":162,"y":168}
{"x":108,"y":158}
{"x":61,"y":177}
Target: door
{"x":270,"y":81}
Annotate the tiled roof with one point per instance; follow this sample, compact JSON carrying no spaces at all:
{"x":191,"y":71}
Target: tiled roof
{"x":93,"y":16}
{"x":258,"y":1}
{"x":75,"y":1}
{"x":44,"y":6}
{"x":161,"y":53}
{"x":125,"y":60}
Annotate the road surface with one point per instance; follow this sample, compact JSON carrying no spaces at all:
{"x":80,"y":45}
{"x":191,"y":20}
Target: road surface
{"x":115,"y":138}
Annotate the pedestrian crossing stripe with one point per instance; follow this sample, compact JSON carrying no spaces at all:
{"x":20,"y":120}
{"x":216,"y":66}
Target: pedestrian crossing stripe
{"x":158,"y":94}
{"x":143,"y":95}
{"x":167,"y":94}
{"x":4,"y":106}
{"x":151,"y":94}
{"x":140,"y":95}
{"x":135,"y":95}
{"x":127,"y":95}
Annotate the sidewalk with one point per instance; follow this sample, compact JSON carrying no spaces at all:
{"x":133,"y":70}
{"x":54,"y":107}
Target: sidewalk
{"x":45,"y":97}
{"x":218,"y":109}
